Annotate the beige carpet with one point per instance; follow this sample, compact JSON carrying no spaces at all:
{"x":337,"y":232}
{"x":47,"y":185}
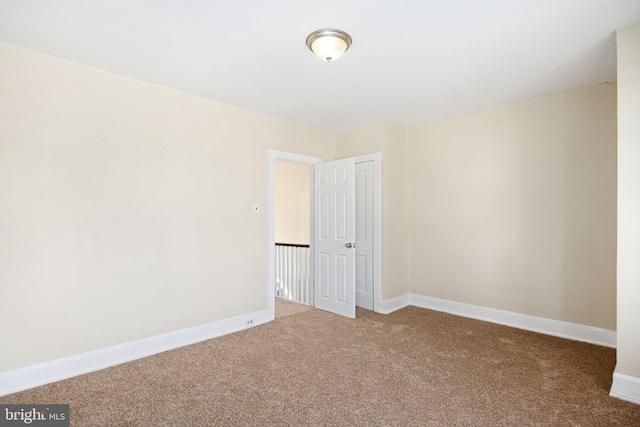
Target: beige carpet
{"x":414,"y":367}
{"x":286,"y":308}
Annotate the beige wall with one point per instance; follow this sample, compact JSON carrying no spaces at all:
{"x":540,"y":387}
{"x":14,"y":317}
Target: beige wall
{"x":292,"y":203}
{"x":394,"y":212}
{"x":390,"y":140}
{"x":365,"y":139}
{"x":628,"y":355}
{"x":126,"y":208}
{"x":514,"y":208}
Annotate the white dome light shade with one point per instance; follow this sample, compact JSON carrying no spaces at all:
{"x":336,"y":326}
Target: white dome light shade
{"x":328,"y":44}
{"x":328,"y":48}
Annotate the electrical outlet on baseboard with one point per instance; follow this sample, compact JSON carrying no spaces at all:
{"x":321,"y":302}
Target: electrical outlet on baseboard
{"x":249,"y":323}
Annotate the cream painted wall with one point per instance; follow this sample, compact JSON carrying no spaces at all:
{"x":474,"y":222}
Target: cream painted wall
{"x":394,"y":212}
{"x":390,"y":140}
{"x":365,"y":139}
{"x":514,"y":208}
{"x":126,"y":208}
{"x":292,"y":203}
{"x":628,"y":359}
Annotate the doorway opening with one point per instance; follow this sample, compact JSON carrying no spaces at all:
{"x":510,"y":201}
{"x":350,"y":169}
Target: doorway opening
{"x":281,"y":157}
{"x":368,"y":229}
{"x":293,"y":233}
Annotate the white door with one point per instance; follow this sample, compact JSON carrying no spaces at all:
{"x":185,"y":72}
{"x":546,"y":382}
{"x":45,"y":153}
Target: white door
{"x":334,"y":237}
{"x":364,"y":234}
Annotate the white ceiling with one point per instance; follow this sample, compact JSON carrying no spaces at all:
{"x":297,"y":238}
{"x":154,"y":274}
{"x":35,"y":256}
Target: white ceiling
{"x":411,"y":61}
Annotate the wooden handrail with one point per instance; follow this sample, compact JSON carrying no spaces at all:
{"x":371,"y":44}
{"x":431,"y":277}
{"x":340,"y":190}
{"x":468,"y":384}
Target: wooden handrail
{"x":295,"y":245}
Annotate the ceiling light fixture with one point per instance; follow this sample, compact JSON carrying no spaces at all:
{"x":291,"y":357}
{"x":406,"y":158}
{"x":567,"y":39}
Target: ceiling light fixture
{"x":328,"y":44}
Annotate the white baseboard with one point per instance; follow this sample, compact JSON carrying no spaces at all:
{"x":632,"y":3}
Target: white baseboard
{"x":56,"y":370}
{"x":390,"y":305}
{"x":573,"y":331}
{"x":625,"y":387}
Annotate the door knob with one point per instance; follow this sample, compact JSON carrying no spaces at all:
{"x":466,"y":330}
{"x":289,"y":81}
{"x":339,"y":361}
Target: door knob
{"x":350,"y":245}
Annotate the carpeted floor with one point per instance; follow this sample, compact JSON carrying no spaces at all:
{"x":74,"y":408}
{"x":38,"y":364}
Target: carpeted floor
{"x":414,"y":367}
{"x":286,"y":308}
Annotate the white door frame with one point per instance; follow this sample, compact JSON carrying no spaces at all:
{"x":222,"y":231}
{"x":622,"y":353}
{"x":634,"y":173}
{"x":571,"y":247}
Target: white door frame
{"x":275,"y":155}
